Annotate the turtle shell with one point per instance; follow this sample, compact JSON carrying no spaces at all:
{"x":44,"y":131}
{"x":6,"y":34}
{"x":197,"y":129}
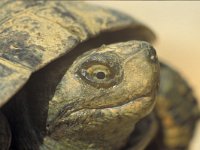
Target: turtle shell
{"x":35,"y":33}
{"x":39,"y":40}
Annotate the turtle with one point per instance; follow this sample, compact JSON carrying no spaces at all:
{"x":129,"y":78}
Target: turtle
{"x":79,"y":76}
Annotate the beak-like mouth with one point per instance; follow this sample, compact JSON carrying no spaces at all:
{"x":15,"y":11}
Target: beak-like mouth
{"x":122,"y":104}
{"x":128,"y":108}
{"x":95,"y":118}
{"x":116,"y":107}
{"x":121,"y":107}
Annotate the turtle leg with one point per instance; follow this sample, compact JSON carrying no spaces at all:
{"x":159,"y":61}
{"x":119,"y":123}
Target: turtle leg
{"x":5,"y":133}
{"x":145,"y":130}
{"x":177,"y":112}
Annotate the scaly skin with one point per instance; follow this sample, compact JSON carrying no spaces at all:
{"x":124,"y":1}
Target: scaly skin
{"x":35,"y":33}
{"x":102,"y":113}
{"x":179,"y":113}
{"x":34,"y":36}
{"x":40,"y":40}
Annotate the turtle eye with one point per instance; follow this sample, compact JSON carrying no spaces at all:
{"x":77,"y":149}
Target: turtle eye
{"x":98,"y":75}
{"x":101,"y":70}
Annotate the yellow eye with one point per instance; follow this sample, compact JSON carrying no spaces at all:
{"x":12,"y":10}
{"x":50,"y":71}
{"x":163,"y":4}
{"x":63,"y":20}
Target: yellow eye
{"x":99,"y":72}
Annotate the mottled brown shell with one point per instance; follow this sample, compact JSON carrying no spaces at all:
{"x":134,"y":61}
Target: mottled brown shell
{"x":35,"y":33}
{"x":176,"y":109}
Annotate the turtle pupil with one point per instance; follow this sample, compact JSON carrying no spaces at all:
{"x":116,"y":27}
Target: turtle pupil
{"x":100,"y":75}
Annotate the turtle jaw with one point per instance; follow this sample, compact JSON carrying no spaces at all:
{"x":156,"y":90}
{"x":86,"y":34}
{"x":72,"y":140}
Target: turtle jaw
{"x":105,"y":117}
{"x":136,"y":75}
{"x":134,"y":109}
{"x":110,"y":125}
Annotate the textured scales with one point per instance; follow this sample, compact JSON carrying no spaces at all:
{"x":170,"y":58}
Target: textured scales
{"x":179,"y":113}
{"x":34,"y":33}
{"x":35,"y":36}
{"x":104,"y":119}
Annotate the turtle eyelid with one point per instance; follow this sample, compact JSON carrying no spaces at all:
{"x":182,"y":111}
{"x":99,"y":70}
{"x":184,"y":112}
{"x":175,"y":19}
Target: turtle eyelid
{"x":107,"y":75}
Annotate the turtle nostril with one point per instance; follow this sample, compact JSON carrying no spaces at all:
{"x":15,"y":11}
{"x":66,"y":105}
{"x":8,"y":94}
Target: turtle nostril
{"x":152,"y":57}
{"x":152,"y":54}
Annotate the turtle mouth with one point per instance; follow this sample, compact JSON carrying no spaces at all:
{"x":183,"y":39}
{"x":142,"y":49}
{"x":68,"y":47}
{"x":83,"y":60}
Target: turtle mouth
{"x":131,"y":104}
{"x":128,"y":108}
{"x":122,"y":104}
{"x":104,"y":121}
{"x":133,"y":108}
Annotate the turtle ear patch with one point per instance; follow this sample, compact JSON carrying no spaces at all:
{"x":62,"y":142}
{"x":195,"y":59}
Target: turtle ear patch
{"x":101,"y":70}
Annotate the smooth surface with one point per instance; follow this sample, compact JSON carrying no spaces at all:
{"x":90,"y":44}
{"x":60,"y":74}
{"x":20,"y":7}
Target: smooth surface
{"x":177,"y":25}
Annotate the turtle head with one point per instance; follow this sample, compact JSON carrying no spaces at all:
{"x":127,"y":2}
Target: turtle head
{"x":104,"y":93}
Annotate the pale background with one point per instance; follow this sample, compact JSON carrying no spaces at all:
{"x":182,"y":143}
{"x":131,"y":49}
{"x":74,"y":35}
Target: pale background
{"x":177,"y":25}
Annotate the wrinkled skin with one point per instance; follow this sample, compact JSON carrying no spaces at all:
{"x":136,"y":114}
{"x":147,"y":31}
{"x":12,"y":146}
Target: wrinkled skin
{"x":35,"y":35}
{"x":101,"y":111}
{"x":98,"y":101}
{"x":104,"y":100}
